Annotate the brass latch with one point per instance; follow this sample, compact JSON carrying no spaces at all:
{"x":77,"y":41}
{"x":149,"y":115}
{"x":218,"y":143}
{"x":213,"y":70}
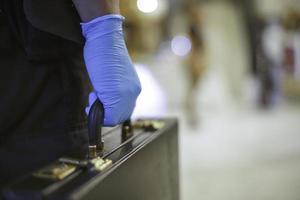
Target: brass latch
{"x":148,"y":125}
{"x":55,"y":171}
{"x":65,"y":167}
{"x":101,"y":164}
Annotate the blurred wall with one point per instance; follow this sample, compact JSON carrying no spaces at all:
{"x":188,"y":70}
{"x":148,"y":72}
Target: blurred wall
{"x":270,"y":8}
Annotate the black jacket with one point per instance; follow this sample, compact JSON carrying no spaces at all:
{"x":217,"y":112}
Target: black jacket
{"x":58,"y":17}
{"x":44,"y":85}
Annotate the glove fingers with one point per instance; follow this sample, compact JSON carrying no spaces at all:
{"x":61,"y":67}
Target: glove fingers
{"x":117,"y":115}
{"x":112,"y":115}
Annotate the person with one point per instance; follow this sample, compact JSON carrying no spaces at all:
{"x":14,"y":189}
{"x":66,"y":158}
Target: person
{"x":46,"y":79}
{"x":195,"y":61}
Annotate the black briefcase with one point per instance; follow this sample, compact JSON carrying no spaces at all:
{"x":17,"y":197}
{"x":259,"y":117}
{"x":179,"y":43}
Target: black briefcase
{"x":134,"y":161}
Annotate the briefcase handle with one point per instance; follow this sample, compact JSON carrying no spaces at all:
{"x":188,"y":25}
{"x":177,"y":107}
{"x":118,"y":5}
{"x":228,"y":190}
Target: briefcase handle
{"x":95,"y":123}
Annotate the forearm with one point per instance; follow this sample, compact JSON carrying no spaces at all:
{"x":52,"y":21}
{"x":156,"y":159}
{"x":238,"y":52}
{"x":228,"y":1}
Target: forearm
{"x":91,"y":9}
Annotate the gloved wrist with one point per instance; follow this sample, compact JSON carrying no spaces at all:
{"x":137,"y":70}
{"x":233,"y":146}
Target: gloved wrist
{"x":101,"y":26}
{"x":110,"y":69}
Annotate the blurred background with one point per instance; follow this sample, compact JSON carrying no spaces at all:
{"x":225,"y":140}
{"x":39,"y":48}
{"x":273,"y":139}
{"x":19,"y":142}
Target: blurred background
{"x":230,"y":71}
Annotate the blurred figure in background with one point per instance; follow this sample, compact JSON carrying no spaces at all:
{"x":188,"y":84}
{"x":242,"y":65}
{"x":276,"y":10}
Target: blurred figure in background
{"x":264,"y":63}
{"x":291,"y":56}
{"x":278,"y":52}
{"x":195,"y":60}
{"x":273,"y":37}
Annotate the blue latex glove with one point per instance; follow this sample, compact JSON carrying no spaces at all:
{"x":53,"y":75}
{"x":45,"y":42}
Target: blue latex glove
{"x":110,"y":69}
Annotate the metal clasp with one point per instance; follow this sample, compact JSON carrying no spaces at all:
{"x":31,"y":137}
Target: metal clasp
{"x":101,"y":164}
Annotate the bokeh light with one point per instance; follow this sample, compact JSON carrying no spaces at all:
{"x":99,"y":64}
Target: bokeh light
{"x":181,"y":45}
{"x":147,"y":6}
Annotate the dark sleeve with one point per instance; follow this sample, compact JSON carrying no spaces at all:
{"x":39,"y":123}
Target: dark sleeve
{"x":58,"y":17}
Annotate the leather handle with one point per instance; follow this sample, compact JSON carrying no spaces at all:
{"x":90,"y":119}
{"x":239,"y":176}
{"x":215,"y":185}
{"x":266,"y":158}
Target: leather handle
{"x":95,"y":123}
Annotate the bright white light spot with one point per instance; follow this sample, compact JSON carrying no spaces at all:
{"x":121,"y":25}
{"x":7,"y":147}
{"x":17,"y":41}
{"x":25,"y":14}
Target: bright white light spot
{"x":181,"y":45}
{"x":147,"y":6}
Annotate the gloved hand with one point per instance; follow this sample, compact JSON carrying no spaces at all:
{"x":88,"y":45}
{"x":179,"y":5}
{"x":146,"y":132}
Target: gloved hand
{"x":110,"y":69}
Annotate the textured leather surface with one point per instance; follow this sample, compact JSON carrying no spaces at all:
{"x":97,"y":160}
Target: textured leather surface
{"x":58,"y":17}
